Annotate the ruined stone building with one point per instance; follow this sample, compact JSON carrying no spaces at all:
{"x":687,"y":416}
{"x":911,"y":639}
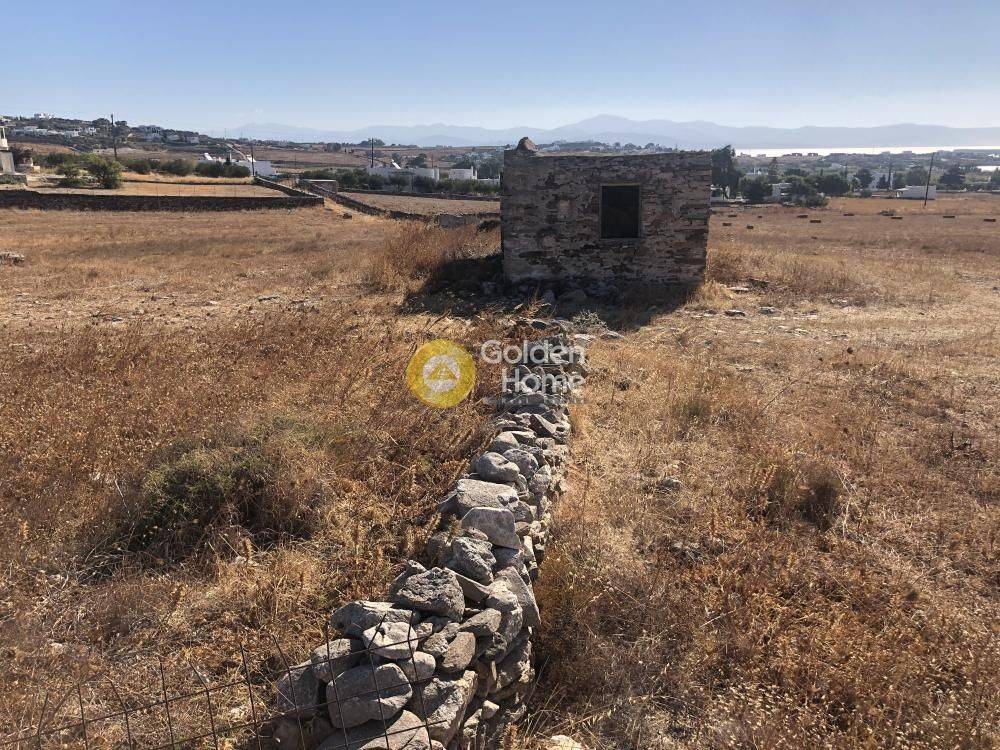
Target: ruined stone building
{"x":634,"y":218}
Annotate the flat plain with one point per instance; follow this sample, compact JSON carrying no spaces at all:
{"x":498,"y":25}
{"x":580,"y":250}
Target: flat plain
{"x":781,"y":529}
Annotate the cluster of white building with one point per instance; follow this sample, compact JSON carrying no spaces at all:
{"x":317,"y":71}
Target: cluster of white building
{"x":237,"y":157}
{"x":35,"y":130}
{"x":392,"y":169}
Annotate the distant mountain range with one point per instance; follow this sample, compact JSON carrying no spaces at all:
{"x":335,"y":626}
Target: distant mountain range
{"x":611,"y":129}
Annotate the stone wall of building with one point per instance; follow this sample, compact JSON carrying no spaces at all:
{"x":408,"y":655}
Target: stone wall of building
{"x":444,"y":662}
{"x":551,"y":217}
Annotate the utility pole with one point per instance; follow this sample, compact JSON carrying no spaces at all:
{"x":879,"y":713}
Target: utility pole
{"x":114,"y":136}
{"x":927,"y":190}
{"x":371,"y":142}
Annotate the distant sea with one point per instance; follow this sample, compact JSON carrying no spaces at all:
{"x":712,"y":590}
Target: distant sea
{"x":875,"y":150}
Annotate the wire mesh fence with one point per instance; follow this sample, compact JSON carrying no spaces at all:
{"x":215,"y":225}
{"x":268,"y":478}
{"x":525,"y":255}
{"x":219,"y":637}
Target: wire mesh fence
{"x":257,"y":709}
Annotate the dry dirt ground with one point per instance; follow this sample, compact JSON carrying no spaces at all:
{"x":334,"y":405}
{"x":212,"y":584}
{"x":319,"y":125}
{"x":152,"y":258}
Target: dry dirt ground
{"x":205,"y":441}
{"x":781,"y":529}
{"x":427,"y":206}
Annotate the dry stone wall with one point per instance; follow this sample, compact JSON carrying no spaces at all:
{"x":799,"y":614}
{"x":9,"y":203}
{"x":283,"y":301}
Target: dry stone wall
{"x":114,"y":202}
{"x":445,"y":660}
{"x":552,"y":217}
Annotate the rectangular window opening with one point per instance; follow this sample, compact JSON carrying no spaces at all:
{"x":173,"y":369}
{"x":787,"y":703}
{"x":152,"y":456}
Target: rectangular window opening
{"x":620,"y":212}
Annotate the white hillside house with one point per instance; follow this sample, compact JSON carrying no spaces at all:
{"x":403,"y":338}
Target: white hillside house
{"x":256,"y":166}
{"x":6,"y":155}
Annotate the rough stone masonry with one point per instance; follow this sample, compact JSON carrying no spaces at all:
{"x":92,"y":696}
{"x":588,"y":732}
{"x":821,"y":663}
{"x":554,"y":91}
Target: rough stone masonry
{"x":632,"y":218}
{"x":445,"y":662}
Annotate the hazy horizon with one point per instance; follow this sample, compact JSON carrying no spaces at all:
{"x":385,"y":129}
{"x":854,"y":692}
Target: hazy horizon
{"x":328,"y":65}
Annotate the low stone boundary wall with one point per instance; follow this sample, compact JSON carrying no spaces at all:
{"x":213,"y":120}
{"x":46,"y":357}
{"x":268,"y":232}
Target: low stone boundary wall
{"x":444,"y":662}
{"x":448,"y":221}
{"x":438,"y":196}
{"x":111,"y":202}
{"x":282,"y":188}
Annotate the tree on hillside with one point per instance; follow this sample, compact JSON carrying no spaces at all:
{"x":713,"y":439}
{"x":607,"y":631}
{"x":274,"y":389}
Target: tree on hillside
{"x":794,"y":172}
{"x":995,"y":180}
{"x":724,"y":172}
{"x":754,"y":190}
{"x":953,"y":178}
{"x":916,"y":176}
{"x":863,"y":177}
{"x":898,"y":180}
{"x":107,"y":172}
{"x":772,"y":170}
{"x":489,"y":168}
{"x":418,"y":161}
{"x":832,"y":184}
{"x":883,"y":183}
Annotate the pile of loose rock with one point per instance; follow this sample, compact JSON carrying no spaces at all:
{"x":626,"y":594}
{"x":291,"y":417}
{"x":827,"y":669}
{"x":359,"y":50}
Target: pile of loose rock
{"x":446,"y":661}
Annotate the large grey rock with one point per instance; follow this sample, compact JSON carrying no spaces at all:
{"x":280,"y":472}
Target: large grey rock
{"x":473,"y":590}
{"x":523,"y":513}
{"x":525,"y":596}
{"x":475,"y":493}
{"x":437,"y":591}
{"x":404,"y":732}
{"x":411,"y":568}
{"x":437,"y":644}
{"x":391,"y":640}
{"x":445,"y":700}
{"x":493,"y":467}
{"x":506,"y":602}
{"x":342,"y":654}
{"x":503,"y":442}
{"x":354,"y":618}
{"x":539,"y":483}
{"x":508,"y":558}
{"x":555,"y":430}
{"x":497,"y":524}
{"x":298,"y":691}
{"x":472,"y":558}
{"x":526,"y":463}
{"x":419,"y":667}
{"x":516,"y":665}
{"x":353,"y":698}
{"x":461,"y":651}
{"x":483,"y":625}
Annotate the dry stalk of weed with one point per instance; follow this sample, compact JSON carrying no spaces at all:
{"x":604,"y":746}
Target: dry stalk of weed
{"x":194,"y":476}
{"x":779,"y":538}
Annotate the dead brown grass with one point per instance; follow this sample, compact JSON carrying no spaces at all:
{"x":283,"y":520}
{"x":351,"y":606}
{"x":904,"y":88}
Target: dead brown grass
{"x":826,"y":574}
{"x":181,"y":476}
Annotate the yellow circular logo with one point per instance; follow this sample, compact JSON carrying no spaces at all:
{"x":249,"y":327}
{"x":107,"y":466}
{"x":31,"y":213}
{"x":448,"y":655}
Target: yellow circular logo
{"x":441,"y":373}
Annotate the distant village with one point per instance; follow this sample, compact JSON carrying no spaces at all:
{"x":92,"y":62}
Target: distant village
{"x":798,"y":176}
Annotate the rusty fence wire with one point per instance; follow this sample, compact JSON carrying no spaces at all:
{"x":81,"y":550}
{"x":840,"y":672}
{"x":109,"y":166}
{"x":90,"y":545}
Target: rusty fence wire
{"x":63,"y":719}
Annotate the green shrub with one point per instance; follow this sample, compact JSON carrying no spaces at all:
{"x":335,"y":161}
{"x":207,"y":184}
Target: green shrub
{"x":139,"y":166}
{"x":754,"y":190}
{"x":107,"y":172}
{"x":71,"y":176}
{"x":318,"y":174}
{"x":221,"y":169}
{"x":236,"y":485}
{"x":424,"y":184}
{"x":178,"y":167}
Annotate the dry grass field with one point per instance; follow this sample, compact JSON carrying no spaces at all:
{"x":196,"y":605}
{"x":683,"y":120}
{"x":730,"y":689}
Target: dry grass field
{"x":823,"y":573}
{"x":426,"y":206}
{"x":221,"y":189}
{"x":205,"y":440}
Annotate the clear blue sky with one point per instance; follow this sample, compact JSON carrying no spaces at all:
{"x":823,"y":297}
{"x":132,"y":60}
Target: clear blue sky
{"x":339,"y":65}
